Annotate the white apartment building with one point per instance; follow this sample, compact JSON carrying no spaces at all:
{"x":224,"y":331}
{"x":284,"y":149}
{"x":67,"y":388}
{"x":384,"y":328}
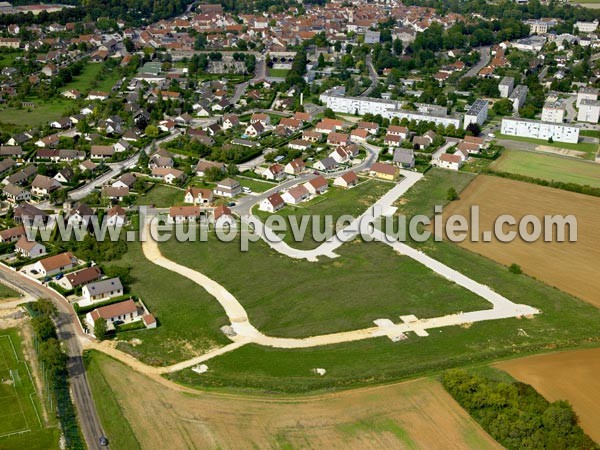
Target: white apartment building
{"x":506,"y":86}
{"x":477,"y":113}
{"x":586,"y":93}
{"x":537,"y":129}
{"x":586,"y":27}
{"x":553,"y":112}
{"x":336,"y":99}
{"x":589,"y":111}
{"x":518,"y":97}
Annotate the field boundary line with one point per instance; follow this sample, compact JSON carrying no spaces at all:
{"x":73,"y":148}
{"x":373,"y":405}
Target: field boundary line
{"x":14,"y":433}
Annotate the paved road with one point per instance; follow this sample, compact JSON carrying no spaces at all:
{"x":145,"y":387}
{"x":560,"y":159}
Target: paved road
{"x":69,"y":333}
{"x":117,"y":168}
{"x":372,"y":75}
{"x":484,"y":59}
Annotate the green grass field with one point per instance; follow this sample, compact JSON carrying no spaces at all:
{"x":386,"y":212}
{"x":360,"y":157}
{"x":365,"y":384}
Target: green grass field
{"x":43,"y":113}
{"x":115,"y":425}
{"x":88,"y":80}
{"x":277,"y":73}
{"x":21,"y":424}
{"x":335,"y":202}
{"x":161,"y":196}
{"x":291,"y":298}
{"x":432,"y":191}
{"x":548,"y":167}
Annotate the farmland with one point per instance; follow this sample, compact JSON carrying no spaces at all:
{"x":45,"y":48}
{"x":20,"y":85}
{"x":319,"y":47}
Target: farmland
{"x":418,"y":414}
{"x":21,"y":423}
{"x":576,"y":273}
{"x":571,"y":376}
{"x":548,"y":167}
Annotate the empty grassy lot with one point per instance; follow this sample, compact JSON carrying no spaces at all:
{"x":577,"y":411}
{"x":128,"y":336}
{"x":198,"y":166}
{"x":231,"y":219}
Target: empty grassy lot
{"x":590,"y":149}
{"x":291,"y":298}
{"x":418,"y":414}
{"x":161,"y":196}
{"x":548,"y":167}
{"x":89,"y":80}
{"x":42,"y":113}
{"x":335,"y":203}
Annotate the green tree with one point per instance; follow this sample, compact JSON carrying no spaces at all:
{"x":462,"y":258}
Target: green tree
{"x":100,"y":329}
{"x":151,"y":131}
{"x":452,"y":195}
{"x":43,"y":327}
{"x":515,"y":268}
{"x":328,"y":113}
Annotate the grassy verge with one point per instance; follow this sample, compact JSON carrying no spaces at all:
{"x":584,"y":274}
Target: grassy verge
{"x":6,"y":292}
{"x":115,"y":425}
{"x":587,"y":147}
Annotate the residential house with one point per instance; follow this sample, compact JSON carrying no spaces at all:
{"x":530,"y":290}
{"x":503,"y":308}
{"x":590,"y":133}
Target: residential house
{"x":102,"y":290}
{"x":222,"y":216}
{"x":272,"y":203}
{"x":227,"y":188}
{"x":299,"y":144}
{"x":348,"y":180}
{"x":181,"y":214}
{"x":384,"y":171}
{"x":12,"y":234}
{"x":25,"y":212}
{"x":52,"y":265}
{"x":295,"y":167}
{"x":102,"y":151}
{"x":81,"y":277}
{"x":359,"y":135}
{"x":88,"y":166}
{"x":127,"y":180}
{"x":404,"y":158}
{"x":371,"y":127}
{"x":255,"y":129}
{"x":168,"y":175}
{"x":13,"y":151}
{"x":198,"y":196}
{"x":392,"y":140}
{"x":203,"y":166}
{"x":29,"y":249}
{"x":121,"y":146}
{"x":64,"y":175}
{"x":311,"y":136}
{"x":116,"y":216}
{"x":16,"y":194}
{"x":262,"y":118}
{"x":121,"y":312}
{"x":327,"y":126}
{"x":79,"y":215}
{"x":6,"y":165}
{"x":317,"y":185}
{"x":115,"y":193}
{"x":50,"y":141}
{"x":337,"y":139}
{"x":230,"y":121}
{"x":326,"y":164}
{"x":274,"y":172}
{"x":43,"y":186}
{"x":397,"y":130}
{"x":295,"y":195}
{"x":21,"y":177}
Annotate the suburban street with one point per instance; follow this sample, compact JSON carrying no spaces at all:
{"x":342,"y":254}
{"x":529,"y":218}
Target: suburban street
{"x":117,"y":168}
{"x":69,"y":333}
{"x":484,"y":59}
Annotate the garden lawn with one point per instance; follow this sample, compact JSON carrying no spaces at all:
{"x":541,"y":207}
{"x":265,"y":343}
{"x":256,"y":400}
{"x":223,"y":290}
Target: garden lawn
{"x":255,"y":185}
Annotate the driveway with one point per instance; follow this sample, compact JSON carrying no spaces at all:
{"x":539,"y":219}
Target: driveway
{"x":484,"y":59}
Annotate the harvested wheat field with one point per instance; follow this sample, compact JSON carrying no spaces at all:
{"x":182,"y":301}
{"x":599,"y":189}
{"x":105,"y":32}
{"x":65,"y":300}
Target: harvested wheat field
{"x":571,"y":376}
{"x":571,"y":267}
{"x":417,"y":414}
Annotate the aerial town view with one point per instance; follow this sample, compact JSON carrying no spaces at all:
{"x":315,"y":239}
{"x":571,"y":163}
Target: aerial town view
{"x":293,"y":224}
